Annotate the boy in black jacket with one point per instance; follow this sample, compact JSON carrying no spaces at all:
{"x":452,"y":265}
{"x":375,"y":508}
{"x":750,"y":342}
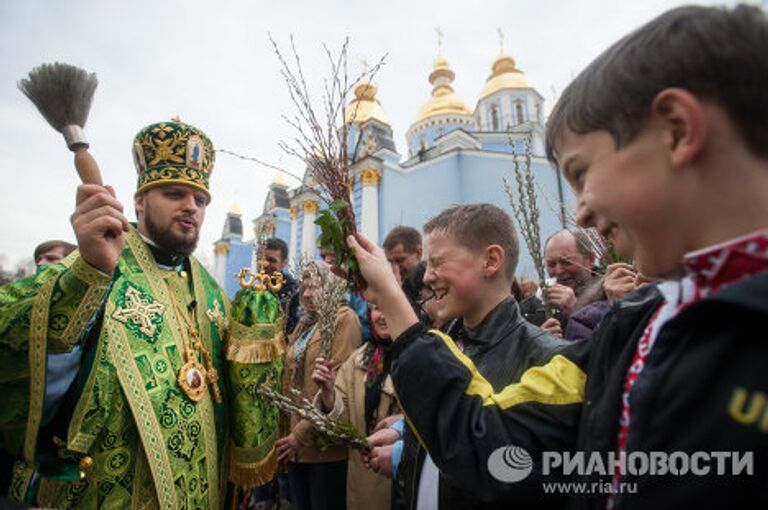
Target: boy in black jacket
{"x":472,"y":253}
{"x":664,"y":141}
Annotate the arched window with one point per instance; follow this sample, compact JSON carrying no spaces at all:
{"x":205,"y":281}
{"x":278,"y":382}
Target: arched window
{"x":519,"y":112}
{"x":494,"y":118}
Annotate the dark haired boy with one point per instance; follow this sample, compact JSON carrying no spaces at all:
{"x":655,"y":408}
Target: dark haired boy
{"x":663,"y":138}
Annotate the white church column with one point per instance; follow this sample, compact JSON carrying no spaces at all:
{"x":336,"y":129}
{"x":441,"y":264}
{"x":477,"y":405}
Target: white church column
{"x":369,"y":207}
{"x":292,"y":243}
{"x":310,"y":208}
{"x":220,"y":251}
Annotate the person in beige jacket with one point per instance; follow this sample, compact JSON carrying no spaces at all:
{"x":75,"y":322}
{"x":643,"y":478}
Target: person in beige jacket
{"x":316,"y":477}
{"x":361,"y":394}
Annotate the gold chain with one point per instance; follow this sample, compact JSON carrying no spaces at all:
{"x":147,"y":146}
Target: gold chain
{"x":211,"y":374}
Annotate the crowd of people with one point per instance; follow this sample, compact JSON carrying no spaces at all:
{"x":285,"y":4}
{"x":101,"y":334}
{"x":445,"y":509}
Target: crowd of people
{"x":474,"y":388}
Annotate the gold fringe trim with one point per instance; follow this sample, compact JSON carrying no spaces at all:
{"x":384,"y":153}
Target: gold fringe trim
{"x":242,"y":350}
{"x":262,"y":331}
{"x":89,"y":274}
{"x":253,"y":474}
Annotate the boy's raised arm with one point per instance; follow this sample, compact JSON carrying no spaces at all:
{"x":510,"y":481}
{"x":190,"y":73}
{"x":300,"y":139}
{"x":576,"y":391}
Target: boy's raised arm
{"x":383,"y":289}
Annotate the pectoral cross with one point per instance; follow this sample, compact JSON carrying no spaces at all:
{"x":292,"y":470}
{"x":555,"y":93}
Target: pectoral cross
{"x":139,"y":310}
{"x":216,"y":315}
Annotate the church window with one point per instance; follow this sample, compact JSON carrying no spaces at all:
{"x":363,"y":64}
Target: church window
{"x":519,"y":112}
{"x":494,"y":118}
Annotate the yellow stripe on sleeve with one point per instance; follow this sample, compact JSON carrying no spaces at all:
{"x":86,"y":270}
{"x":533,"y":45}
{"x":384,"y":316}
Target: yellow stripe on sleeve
{"x":559,"y":382}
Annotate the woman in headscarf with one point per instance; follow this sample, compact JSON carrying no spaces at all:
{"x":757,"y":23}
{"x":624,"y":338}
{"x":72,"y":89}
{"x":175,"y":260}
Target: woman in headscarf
{"x":362,"y":394}
{"x":316,"y":477}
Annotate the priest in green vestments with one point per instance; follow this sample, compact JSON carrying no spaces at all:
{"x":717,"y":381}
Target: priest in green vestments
{"x":126,"y":381}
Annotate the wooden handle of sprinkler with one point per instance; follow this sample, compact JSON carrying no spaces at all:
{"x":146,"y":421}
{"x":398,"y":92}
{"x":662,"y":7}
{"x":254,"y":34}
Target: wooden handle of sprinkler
{"x":87,"y":167}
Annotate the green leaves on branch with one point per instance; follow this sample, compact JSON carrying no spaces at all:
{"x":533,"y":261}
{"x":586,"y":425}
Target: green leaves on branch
{"x":336,"y":224}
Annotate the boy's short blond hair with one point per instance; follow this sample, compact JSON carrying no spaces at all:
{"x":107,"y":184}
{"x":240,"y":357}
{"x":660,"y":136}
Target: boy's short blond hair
{"x":477,"y":226}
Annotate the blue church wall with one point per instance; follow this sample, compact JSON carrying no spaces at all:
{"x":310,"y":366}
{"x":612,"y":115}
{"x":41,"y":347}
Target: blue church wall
{"x":427,"y":134}
{"x":352,"y":135}
{"x":497,"y":147}
{"x":414,"y":197}
{"x":433,"y":132}
{"x":300,"y":235}
{"x":466,"y":177}
{"x":283,"y":231}
{"x":283,"y":225}
{"x":240,"y":255}
{"x":505,"y":147}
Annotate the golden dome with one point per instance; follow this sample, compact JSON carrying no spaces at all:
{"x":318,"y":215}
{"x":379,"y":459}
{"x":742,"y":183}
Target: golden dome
{"x":365,"y":106}
{"x":504,"y":75}
{"x":280,"y":179}
{"x":235,"y":209}
{"x":443,"y":100}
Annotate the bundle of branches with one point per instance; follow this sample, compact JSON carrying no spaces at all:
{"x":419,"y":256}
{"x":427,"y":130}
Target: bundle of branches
{"x":329,"y":299}
{"x":526,"y":211}
{"x":321,"y":142}
{"x":331,"y":431}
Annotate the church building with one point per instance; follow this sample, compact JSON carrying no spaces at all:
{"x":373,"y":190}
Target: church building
{"x":455,"y":154}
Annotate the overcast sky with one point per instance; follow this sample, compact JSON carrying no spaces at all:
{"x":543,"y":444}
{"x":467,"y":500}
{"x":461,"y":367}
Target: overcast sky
{"x":212,"y":64}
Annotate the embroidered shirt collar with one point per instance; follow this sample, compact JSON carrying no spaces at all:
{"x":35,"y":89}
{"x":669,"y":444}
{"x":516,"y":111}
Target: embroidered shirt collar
{"x":728,"y":262}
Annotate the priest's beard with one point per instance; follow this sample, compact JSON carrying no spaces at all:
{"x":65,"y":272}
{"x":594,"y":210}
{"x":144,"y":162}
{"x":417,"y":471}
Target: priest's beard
{"x":166,"y":239}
